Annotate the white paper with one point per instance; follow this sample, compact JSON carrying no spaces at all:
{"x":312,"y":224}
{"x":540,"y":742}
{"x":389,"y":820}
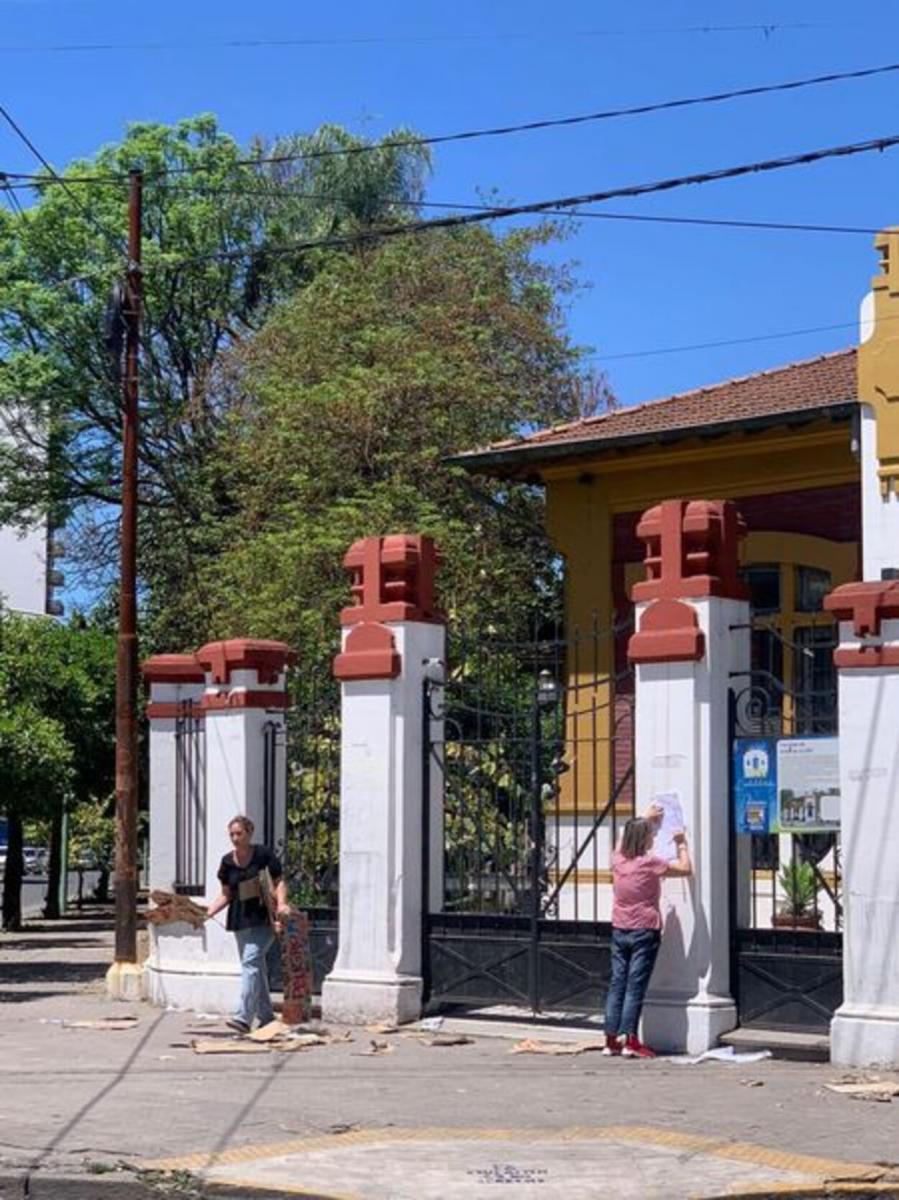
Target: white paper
{"x":672,"y":823}
{"x":725,"y":1054}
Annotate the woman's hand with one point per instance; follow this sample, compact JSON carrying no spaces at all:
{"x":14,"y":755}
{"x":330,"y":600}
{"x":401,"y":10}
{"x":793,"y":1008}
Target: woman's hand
{"x":281,"y":919}
{"x":655,"y":813}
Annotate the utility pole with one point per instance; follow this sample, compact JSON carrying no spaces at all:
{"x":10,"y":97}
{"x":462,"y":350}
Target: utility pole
{"x":126,"y":668}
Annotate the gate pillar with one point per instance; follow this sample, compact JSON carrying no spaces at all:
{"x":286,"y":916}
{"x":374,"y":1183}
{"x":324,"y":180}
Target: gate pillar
{"x":692,"y":633}
{"x":392,"y":635}
{"x":865,"y":1029}
{"x":243,"y":693}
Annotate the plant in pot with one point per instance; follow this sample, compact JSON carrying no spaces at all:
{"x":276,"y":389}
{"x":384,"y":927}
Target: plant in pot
{"x":800,"y":886}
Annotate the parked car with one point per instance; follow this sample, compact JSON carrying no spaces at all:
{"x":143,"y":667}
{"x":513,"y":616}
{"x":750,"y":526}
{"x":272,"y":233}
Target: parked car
{"x":36,"y":860}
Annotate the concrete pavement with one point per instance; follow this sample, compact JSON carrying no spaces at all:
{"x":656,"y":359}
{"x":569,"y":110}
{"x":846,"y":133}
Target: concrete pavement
{"x":138,"y":1108}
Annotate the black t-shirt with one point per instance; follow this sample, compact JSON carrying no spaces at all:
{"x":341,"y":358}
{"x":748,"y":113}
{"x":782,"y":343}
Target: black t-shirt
{"x":250,"y":911}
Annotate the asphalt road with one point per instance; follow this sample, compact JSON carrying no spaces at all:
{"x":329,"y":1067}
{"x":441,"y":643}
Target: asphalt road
{"x":34,"y":889}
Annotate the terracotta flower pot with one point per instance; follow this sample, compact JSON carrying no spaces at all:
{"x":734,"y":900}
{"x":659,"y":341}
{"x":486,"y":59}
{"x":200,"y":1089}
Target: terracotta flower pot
{"x":796,"y":921}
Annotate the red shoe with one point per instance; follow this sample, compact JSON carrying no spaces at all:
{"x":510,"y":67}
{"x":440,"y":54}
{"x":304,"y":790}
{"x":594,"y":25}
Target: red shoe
{"x":634,"y":1048}
{"x":612,"y":1046}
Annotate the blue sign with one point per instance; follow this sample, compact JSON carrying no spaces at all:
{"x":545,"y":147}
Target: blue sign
{"x":755,"y":784}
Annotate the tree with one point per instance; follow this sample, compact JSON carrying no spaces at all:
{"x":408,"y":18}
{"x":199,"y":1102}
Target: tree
{"x":61,"y":261}
{"x":344,"y":408}
{"x":56,"y":733}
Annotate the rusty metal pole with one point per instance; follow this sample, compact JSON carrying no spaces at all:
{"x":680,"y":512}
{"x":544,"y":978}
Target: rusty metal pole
{"x":126,"y":672}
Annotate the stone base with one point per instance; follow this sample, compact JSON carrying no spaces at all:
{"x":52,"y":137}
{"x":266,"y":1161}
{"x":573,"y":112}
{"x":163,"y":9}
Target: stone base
{"x":195,"y":987}
{"x":124,"y":981}
{"x":687,"y":1025}
{"x":865,"y":1036}
{"x":357,"y":998}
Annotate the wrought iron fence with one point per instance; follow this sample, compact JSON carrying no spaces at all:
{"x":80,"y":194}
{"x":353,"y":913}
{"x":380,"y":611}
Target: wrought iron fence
{"x":190,"y":801}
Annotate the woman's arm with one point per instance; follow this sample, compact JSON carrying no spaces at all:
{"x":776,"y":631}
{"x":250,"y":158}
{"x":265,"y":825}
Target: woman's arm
{"x":222,"y":900}
{"x":683,"y":864}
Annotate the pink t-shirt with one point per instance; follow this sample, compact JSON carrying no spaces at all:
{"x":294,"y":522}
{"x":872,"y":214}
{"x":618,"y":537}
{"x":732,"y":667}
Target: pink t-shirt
{"x":636,"y":887}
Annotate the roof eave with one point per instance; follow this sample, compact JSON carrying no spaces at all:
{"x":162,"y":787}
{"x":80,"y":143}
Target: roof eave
{"x":516,"y":460}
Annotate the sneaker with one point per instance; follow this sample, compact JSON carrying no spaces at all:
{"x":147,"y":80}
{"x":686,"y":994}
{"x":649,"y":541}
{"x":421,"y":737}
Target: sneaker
{"x":612,"y":1046}
{"x":634,"y":1048}
{"x":237,"y":1024}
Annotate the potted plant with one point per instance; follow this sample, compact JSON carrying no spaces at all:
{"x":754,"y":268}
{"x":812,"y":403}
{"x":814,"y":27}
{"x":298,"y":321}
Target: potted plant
{"x":799,"y":884}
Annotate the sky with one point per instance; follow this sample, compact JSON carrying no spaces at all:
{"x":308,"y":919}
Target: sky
{"x":646,"y":287}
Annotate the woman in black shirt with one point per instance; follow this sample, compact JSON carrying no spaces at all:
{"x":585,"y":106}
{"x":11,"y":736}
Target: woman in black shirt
{"x":248,"y":918}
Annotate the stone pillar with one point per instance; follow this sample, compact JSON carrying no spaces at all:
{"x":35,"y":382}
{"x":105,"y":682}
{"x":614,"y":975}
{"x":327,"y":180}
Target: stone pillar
{"x":392,"y":636}
{"x":692,"y":634}
{"x":244,"y":692}
{"x":865,"y":1028}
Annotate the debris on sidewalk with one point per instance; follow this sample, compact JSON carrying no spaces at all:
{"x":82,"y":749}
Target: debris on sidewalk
{"x":382,"y":1027}
{"x":226,"y":1046}
{"x":110,"y":1023}
{"x":447,"y":1039}
{"x":431,"y":1024}
{"x":375,"y":1047}
{"x":170,"y":908}
{"x":534,"y":1046}
{"x":870,"y":1087}
{"x":725,"y":1054}
{"x":271,"y":1031}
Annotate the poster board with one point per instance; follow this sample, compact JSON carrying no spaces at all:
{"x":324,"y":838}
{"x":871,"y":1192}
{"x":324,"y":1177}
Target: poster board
{"x":786,"y":785}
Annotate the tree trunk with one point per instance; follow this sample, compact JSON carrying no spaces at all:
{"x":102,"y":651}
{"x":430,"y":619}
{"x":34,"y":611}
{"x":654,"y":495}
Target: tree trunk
{"x":15,"y":871}
{"x":54,"y":866}
{"x":101,"y":891}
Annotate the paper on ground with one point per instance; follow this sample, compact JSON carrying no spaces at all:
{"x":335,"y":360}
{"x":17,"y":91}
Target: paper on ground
{"x":725,"y":1054}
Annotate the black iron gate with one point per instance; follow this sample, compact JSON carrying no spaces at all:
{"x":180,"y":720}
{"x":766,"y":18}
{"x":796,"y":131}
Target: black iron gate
{"x":528,"y":766}
{"x":190,"y":800}
{"x":786,"y":899}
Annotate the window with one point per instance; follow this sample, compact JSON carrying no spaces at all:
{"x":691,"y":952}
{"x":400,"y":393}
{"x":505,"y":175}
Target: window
{"x":812,"y":585}
{"x":764,"y":588}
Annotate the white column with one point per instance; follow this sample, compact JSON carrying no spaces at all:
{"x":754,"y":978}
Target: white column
{"x":244,"y":691}
{"x":377,"y":973}
{"x":865,"y":1028}
{"x":175,"y":681}
{"x":682,"y":745}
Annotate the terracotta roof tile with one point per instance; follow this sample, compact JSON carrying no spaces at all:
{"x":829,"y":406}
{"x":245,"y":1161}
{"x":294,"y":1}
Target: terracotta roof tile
{"x":815,"y":383}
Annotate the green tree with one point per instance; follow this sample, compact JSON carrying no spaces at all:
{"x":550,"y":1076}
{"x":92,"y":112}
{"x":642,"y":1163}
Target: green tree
{"x":345,"y":407}
{"x":63,"y":257}
{"x":56,"y":732}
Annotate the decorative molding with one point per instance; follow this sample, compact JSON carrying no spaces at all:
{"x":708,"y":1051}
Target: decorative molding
{"x":669,"y":632}
{"x":167,"y":710}
{"x":691,"y":550}
{"x":240,"y":698}
{"x":866,"y":605}
{"x":369,"y":653}
{"x":267,"y":658}
{"x":392,"y":579}
{"x":173,"y":668}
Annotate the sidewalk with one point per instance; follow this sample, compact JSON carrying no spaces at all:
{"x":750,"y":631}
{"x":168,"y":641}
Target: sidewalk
{"x":136,"y":1111}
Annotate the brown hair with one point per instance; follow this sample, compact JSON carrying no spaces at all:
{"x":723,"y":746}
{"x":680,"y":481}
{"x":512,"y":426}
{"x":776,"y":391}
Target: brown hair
{"x":637,"y":838}
{"x":244,"y":822}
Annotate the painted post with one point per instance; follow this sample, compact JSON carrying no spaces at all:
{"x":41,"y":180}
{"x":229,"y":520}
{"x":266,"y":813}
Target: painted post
{"x":393,"y":633}
{"x":692,"y":636}
{"x":241,"y":689}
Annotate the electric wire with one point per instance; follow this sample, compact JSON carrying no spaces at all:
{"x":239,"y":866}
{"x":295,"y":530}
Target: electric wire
{"x":505,"y":130}
{"x":501,"y":212}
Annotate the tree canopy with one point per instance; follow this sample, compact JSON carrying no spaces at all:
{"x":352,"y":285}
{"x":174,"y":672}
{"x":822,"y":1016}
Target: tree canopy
{"x":345,"y":406}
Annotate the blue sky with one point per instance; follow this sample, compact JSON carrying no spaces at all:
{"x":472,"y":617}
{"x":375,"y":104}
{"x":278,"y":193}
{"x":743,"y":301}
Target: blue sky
{"x":441,"y":68}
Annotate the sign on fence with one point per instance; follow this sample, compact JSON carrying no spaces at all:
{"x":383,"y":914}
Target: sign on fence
{"x":787,"y":785}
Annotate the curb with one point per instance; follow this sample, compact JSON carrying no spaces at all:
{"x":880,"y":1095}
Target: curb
{"x":122,"y":1185}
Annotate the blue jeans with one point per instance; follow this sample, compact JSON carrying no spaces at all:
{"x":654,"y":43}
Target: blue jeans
{"x":633,"y":957}
{"x":255,"y":1001}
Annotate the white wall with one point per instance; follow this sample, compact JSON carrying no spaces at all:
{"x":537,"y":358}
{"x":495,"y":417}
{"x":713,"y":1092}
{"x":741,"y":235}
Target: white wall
{"x":23,"y":570}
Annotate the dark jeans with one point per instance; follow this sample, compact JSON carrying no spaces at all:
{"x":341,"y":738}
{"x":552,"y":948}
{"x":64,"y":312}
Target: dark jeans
{"x":633,"y":957}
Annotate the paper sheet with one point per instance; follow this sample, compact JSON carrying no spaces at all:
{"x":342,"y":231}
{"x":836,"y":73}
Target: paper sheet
{"x":672,"y":823}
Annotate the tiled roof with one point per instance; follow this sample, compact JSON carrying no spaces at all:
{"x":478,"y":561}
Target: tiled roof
{"x":816,"y":383}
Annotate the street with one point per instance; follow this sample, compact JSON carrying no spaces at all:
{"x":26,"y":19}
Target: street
{"x":34,"y":890}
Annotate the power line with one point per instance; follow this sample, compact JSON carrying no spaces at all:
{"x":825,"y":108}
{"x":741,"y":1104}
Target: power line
{"x":562,"y":203}
{"x":505,"y":130}
{"x":760,"y":337}
{"x":85,"y":213}
{"x":766,"y":29}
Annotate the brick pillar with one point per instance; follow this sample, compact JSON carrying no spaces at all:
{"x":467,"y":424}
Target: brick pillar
{"x":685,"y":649}
{"x":392,"y":632}
{"x":865,"y":1028}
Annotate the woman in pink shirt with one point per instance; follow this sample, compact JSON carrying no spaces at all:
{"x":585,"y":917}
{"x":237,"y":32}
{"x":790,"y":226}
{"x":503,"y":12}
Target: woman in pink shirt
{"x":636,"y":928}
